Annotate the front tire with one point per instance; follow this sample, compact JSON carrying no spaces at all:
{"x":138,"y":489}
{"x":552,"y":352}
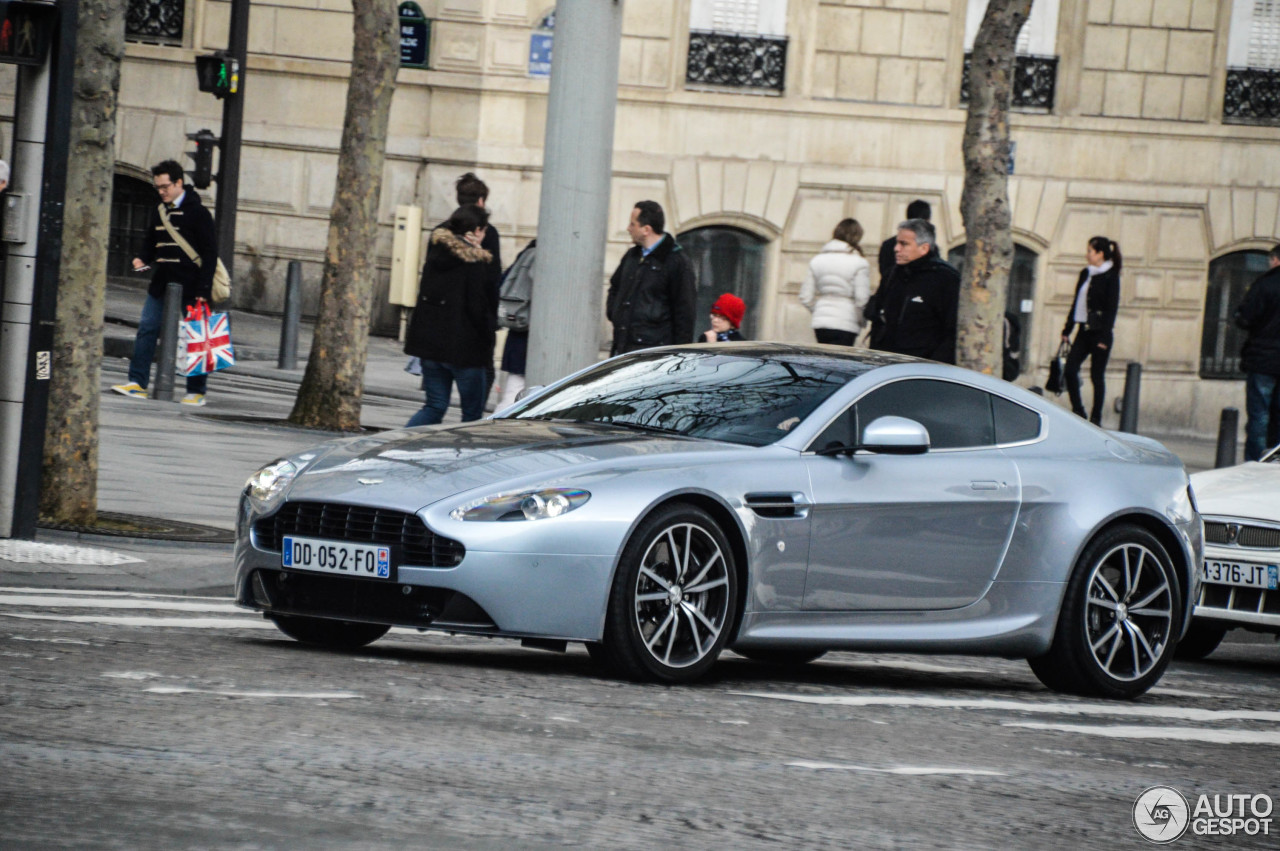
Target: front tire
{"x":674,"y":598}
{"x":322,"y":632}
{"x":1115,"y":633}
{"x":1202,"y":638}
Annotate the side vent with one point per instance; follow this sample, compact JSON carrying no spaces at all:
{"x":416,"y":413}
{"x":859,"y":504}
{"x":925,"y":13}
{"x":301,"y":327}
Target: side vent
{"x":778,"y":505}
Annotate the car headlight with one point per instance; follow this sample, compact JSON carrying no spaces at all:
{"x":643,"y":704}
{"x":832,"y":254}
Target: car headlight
{"x":523,"y":505}
{"x":266,"y":486}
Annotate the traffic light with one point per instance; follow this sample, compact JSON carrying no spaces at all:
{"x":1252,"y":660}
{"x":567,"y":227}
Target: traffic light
{"x":218,"y":73}
{"x":202,"y":168}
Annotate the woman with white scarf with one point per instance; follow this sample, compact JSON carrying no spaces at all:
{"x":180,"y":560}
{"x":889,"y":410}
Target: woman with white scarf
{"x":1094,"y":310}
{"x":837,"y":286}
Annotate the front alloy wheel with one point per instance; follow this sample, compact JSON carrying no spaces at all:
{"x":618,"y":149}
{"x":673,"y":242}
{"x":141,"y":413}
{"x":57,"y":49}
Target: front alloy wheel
{"x":673,"y":599}
{"x":1119,"y":620}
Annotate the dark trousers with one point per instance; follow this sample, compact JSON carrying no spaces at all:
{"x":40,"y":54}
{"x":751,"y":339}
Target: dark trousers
{"x":1262,"y":409}
{"x":144,"y":347}
{"x":834,"y":337}
{"x":1086,"y":345}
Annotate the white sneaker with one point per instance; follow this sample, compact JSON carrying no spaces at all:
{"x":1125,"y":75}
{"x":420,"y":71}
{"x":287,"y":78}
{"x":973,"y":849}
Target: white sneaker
{"x":196,"y":400}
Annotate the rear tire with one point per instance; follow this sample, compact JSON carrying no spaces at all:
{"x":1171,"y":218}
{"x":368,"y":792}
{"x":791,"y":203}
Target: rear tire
{"x":1202,"y":638}
{"x":674,"y":598}
{"x":1115,"y":633}
{"x":322,"y":632}
{"x":780,"y":656}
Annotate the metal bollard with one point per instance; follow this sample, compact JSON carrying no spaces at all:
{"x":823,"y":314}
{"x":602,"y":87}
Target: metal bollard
{"x":1228,"y":426}
{"x":292,"y":314}
{"x":1132,"y":390}
{"x":169,"y":332}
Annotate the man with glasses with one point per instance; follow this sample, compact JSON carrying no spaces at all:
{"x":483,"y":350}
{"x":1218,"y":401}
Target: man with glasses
{"x":189,"y":219}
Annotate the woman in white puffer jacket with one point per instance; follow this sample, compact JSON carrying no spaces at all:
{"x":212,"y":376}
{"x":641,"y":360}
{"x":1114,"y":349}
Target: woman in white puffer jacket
{"x":837,"y":286}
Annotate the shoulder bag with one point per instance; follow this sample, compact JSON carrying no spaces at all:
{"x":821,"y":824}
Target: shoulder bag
{"x":221,"y":278}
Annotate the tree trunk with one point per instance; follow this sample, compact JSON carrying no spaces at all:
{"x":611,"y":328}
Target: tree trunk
{"x":333,"y":385}
{"x":69,"y":486}
{"x":984,"y":204}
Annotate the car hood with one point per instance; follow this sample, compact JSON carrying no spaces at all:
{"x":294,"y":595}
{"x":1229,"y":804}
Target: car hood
{"x":412,"y":468}
{"x":1250,"y":490}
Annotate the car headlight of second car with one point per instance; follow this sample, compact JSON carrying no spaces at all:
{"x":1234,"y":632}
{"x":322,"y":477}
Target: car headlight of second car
{"x":267,"y":486}
{"x":523,"y":505}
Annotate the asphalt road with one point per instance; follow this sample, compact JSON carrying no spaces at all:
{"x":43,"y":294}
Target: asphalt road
{"x":131,"y":721}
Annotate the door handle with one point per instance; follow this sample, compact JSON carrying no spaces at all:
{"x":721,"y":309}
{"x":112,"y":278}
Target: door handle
{"x":985,"y":486}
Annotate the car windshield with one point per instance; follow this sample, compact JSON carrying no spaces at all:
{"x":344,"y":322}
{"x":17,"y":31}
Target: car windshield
{"x":751,"y":397}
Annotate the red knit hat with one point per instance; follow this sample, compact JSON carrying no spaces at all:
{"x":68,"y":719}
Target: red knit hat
{"x":730,"y":307}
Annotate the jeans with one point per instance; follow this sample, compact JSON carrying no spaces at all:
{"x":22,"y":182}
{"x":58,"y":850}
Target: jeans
{"x":437,"y":382}
{"x":1086,"y":346}
{"x":144,"y":347}
{"x":1262,"y":407}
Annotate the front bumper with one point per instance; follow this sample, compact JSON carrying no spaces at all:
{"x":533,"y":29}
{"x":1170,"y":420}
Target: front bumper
{"x":517,"y":594}
{"x":1253,"y":608}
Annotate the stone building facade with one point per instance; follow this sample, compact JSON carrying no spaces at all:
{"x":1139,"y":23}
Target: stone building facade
{"x":759,"y":124}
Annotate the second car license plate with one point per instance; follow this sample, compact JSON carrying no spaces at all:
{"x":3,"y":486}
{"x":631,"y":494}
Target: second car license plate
{"x":369,"y":561}
{"x":1241,"y":574}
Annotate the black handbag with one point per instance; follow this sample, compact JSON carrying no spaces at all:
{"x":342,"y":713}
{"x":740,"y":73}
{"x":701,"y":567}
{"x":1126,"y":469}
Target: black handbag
{"x":1058,"y":371}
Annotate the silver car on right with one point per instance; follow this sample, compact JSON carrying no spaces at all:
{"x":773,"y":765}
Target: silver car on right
{"x":1240,"y":588}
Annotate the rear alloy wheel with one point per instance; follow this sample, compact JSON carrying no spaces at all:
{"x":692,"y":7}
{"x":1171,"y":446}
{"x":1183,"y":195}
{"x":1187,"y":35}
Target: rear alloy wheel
{"x":1202,"y":638}
{"x":1116,"y":631}
{"x":674,"y":597}
{"x":337,"y":635}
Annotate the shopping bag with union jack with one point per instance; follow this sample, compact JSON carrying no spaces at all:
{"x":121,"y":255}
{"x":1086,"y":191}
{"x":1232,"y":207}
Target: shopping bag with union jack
{"x":208,"y":340}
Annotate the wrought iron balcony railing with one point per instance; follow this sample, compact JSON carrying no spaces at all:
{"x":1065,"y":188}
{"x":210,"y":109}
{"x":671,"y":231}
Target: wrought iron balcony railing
{"x":1252,"y":96}
{"x":155,"y":21}
{"x":742,"y":61}
{"x":1034,"y":80}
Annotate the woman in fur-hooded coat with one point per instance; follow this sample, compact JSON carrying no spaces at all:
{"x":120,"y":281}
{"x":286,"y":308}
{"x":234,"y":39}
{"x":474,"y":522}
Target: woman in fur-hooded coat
{"x":452,"y":329}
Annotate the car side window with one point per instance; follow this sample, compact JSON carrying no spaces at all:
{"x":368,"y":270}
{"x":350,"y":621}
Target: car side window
{"x":956,"y":415}
{"x":1014,"y":423}
{"x":843,"y":431}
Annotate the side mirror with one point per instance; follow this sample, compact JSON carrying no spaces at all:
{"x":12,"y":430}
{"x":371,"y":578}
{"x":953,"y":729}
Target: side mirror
{"x":895,"y":436}
{"x":527,"y":391}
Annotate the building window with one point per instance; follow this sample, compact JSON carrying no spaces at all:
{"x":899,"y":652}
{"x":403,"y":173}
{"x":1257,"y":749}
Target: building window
{"x":1035,"y":70}
{"x":155,"y":21}
{"x":726,"y":260}
{"x":1229,"y":279}
{"x":132,"y":201}
{"x":1252,"y":93}
{"x":1019,"y":301}
{"x":738,"y":43}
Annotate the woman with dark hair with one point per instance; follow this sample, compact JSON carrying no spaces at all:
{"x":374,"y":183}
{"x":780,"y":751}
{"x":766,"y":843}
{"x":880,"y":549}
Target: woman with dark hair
{"x":1097,"y":300}
{"x":452,"y":325}
{"x":838,"y":285}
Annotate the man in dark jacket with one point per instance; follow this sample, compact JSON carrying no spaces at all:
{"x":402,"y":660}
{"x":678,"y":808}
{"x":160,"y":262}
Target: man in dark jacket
{"x":888,"y":261}
{"x":917,"y":314}
{"x":193,"y":223}
{"x":1259,"y":314}
{"x":653,"y":293}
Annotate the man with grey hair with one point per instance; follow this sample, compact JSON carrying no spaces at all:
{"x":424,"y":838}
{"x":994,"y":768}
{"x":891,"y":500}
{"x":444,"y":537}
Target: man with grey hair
{"x":917,"y":316}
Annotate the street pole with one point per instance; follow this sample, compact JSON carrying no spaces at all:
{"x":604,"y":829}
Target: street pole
{"x":577,"y":170}
{"x":232,"y":124}
{"x":41,"y":142}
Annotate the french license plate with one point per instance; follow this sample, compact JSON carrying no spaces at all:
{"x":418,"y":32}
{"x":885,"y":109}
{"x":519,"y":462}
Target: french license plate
{"x":367,"y":561}
{"x":1241,"y":574}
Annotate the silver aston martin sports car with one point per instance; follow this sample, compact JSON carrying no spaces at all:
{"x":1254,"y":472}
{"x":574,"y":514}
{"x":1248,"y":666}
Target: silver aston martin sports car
{"x":782,"y":501}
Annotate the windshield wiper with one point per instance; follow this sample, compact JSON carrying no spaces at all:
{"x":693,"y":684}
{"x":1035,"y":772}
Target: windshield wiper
{"x":642,"y":427}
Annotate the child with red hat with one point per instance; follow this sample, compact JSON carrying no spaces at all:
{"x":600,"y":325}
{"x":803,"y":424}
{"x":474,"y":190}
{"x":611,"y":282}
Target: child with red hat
{"x":726,"y":316}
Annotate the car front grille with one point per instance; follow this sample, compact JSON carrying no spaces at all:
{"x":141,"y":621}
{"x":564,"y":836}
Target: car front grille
{"x":1228,"y":599}
{"x":1241,"y":535}
{"x":420,"y":546}
{"x":367,"y":600}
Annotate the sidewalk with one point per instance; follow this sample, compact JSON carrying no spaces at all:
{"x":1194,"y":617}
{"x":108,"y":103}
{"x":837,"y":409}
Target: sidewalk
{"x":188,"y":465}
